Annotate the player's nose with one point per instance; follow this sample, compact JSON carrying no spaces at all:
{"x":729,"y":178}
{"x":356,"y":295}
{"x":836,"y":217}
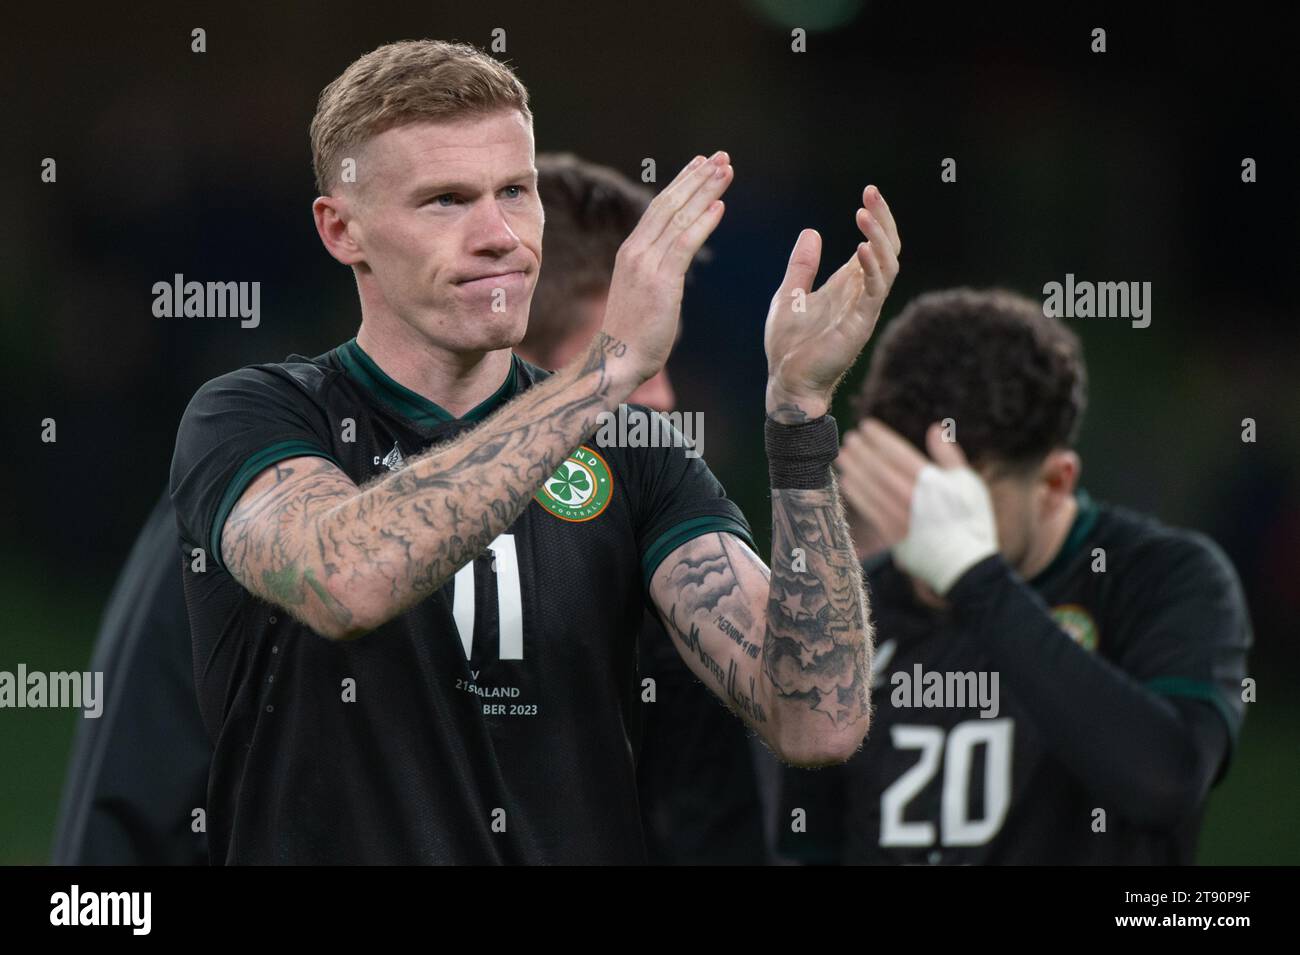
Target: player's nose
{"x":490,"y":231}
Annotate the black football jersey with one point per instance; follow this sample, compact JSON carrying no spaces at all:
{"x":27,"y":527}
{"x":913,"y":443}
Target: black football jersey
{"x":138,"y":773}
{"x":966,"y":778}
{"x":489,"y":723}
{"x":696,"y":778}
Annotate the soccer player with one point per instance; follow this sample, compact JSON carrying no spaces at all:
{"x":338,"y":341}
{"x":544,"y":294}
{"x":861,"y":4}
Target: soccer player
{"x":413,"y":581}
{"x":138,"y":773}
{"x":1118,"y":644}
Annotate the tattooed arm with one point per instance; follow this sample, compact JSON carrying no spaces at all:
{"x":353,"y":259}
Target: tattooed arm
{"x":345,"y":560}
{"x":789,"y":651}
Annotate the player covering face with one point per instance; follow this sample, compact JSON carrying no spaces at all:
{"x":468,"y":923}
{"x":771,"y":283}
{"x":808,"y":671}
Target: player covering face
{"x":451,"y":642}
{"x":1060,"y":680}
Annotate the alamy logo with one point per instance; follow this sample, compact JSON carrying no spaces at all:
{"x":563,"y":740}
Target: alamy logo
{"x":1098,"y":300}
{"x":103,"y":908}
{"x":951,"y":689}
{"x":36,"y":690}
{"x":181,"y":299}
{"x":635,"y":428}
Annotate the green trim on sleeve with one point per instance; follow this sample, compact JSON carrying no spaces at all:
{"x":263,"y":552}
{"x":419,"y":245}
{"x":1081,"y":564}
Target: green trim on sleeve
{"x":244,"y":476}
{"x":679,"y":534}
{"x":1198,"y":690}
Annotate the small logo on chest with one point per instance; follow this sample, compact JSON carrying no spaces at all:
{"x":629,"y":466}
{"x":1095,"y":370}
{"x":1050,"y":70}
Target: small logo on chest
{"x":1078,"y":623}
{"x":393,"y":460}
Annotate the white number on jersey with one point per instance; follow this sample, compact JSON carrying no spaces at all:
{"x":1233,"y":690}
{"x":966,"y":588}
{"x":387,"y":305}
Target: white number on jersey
{"x":956,"y":828}
{"x":510,"y":603}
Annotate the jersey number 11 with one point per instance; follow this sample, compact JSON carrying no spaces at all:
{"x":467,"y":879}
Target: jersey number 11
{"x":510,"y":603}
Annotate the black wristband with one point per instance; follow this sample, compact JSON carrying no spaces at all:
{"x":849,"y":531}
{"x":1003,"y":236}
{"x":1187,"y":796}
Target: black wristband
{"x":799,"y":456}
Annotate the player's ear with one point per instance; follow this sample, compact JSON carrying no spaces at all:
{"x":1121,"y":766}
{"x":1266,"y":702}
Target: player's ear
{"x":1059,"y":473}
{"x":333,"y":216}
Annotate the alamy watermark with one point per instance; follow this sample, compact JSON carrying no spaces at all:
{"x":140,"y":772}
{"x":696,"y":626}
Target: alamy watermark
{"x":633,"y":427}
{"x":130,"y":909}
{"x":59,"y":690}
{"x":1072,"y":299}
{"x":946,"y":689}
{"x":181,"y":299}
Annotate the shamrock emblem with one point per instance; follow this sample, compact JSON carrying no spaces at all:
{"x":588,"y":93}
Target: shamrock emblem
{"x":569,"y":483}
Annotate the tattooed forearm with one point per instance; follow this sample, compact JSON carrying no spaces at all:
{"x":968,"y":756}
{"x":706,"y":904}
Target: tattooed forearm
{"x":808,"y":670}
{"x":267,"y":536}
{"x":735,"y":684}
{"x":817,"y":647}
{"x":738,"y":636}
{"x":788,"y":649}
{"x":347,"y":559}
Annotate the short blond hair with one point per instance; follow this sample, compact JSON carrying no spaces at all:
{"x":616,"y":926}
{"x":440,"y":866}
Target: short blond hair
{"x":401,"y":83}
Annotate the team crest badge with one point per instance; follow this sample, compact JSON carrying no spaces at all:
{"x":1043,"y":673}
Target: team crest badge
{"x":580,"y":489}
{"x":1078,"y":623}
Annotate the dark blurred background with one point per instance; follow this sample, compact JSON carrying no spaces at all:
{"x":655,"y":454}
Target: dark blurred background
{"x":1122,"y":166}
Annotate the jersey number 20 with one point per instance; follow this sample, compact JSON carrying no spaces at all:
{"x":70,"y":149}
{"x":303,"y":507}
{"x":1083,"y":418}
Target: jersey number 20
{"x":956,"y":828}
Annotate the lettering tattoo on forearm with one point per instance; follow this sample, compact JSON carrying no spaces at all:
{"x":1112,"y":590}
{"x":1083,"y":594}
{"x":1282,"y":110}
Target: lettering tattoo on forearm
{"x":739,"y":690}
{"x":405,"y":534}
{"x":818,"y":642}
{"x":815,"y":643}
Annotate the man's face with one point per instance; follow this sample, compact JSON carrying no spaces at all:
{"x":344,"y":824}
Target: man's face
{"x":1015,"y":514}
{"x":450,"y":226}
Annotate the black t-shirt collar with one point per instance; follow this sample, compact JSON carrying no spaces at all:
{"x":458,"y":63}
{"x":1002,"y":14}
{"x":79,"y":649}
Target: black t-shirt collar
{"x":411,"y":405}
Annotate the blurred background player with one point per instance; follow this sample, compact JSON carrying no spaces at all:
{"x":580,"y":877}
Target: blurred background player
{"x":138,"y":774}
{"x":1119,"y":643}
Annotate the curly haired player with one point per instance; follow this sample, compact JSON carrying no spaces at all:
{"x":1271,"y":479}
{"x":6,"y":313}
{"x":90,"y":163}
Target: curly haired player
{"x":1114,"y":646}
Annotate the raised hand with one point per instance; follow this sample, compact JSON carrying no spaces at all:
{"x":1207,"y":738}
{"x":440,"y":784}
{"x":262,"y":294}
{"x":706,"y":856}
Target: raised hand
{"x":936,"y":514}
{"x":645,"y":294}
{"x":812,"y":338}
